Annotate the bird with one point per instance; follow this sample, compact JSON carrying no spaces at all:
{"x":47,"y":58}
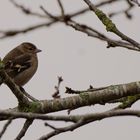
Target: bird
{"x":21,"y":63}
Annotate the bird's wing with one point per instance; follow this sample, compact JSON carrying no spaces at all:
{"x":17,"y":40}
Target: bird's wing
{"x":18,"y":64}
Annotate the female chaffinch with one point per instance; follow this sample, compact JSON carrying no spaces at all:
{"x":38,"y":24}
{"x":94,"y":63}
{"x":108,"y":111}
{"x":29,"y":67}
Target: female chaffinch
{"x":21,"y":63}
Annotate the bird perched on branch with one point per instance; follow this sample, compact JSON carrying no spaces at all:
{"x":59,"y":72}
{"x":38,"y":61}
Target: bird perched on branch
{"x":21,"y":63}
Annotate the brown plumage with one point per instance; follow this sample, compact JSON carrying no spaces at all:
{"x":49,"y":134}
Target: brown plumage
{"x":21,"y":63}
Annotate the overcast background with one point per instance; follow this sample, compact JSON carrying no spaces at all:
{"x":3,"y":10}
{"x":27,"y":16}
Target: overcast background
{"x":80,"y":60}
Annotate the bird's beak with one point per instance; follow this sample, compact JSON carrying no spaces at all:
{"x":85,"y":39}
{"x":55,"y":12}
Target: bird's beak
{"x":38,"y":50}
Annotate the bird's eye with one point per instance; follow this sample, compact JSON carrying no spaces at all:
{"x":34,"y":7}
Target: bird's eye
{"x":30,"y":48}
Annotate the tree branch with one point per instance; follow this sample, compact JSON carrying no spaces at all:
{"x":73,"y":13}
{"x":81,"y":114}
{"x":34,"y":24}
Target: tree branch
{"x":5,"y":127}
{"x":110,"y":26}
{"x":102,"y":97}
{"x":24,"y":129}
{"x":88,"y":118}
{"x":14,"y":88}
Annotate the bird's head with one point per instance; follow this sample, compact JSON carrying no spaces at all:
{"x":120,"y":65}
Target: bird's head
{"x":29,"y":48}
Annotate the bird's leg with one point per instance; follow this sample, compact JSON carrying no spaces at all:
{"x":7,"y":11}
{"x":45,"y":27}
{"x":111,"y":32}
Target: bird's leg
{"x":28,"y":95}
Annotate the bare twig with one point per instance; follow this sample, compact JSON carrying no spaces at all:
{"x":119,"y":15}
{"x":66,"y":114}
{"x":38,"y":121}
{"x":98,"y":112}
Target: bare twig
{"x":110,"y":26}
{"x":126,"y":11}
{"x":72,"y":91}
{"x":92,"y":32}
{"x":57,"y":88}
{"x":51,"y":126}
{"x":30,"y":116}
{"x":61,"y":130}
{"x":10,"y":33}
{"x":88,"y":118}
{"x":135,"y":1}
{"x":28,"y":95}
{"x":24,"y":129}
{"x":61,"y":7}
{"x":5,"y":127}
{"x":27,"y":11}
{"x":127,"y":102}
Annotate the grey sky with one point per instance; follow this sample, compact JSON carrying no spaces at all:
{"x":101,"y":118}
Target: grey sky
{"x":80,"y":60}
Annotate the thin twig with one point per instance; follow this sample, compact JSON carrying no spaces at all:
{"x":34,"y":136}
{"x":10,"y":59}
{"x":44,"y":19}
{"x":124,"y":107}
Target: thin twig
{"x":110,"y":26}
{"x":88,"y":118}
{"x":28,"y":95}
{"x":5,"y":127}
{"x":135,"y":1}
{"x":61,"y":7}
{"x":27,"y":11}
{"x":24,"y":129}
{"x":57,"y":88}
{"x":61,"y":130}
